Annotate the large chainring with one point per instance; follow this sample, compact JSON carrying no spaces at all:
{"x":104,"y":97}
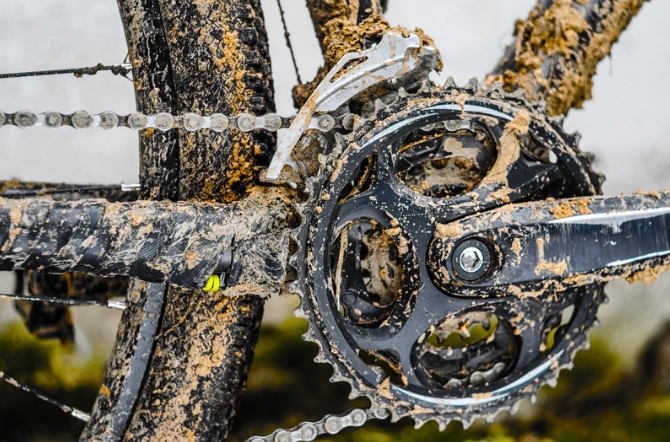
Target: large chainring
{"x":413,"y":166}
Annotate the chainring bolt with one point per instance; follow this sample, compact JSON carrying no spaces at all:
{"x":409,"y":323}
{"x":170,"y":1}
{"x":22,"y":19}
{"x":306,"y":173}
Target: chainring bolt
{"x":348,"y":122}
{"x":326,"y":123}
{"x":471,"y":259}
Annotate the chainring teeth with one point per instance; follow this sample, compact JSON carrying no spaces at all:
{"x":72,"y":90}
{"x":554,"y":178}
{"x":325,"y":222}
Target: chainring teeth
{"x":396,"y":108}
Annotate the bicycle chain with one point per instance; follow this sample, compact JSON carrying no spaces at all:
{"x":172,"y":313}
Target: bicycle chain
{"x":165,"y":121}
{"x":305,"y":431}
{"x":329,"y":424}
{"x":325,"y":123}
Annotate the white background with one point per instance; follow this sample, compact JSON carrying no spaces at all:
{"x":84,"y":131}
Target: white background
{"x":625,"y":124}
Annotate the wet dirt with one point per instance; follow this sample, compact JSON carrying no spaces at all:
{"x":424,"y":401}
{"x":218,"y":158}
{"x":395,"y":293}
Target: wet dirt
{"x":558,"y":49}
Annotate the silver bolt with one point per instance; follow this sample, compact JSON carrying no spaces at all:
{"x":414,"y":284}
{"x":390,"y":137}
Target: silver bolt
{"x":471,"y":259}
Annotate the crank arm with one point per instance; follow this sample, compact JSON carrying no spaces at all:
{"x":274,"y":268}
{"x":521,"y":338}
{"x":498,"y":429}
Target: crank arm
{"x":563,"y":243}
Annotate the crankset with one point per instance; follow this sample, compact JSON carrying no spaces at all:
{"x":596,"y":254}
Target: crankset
{"x":454,"y":249}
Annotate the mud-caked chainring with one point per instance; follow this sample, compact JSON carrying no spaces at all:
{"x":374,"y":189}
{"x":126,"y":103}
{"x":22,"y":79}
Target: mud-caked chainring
{"x":414,"y":164}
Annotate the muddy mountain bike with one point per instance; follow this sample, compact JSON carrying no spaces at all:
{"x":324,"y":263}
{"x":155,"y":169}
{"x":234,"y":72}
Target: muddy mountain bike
{"x":448,"y":242}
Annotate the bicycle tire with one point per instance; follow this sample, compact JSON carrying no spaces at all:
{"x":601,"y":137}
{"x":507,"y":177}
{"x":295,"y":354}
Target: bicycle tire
{"x":180,"y":53}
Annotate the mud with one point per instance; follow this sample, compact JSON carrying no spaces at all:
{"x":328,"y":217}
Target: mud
{"x":569,"y":208}
{"x":343,"y":27}
{"x":510,"y":149}
{"x":205,"y":56}
{"x":556,"y":268}
{"x":558,"y":48}
{"x":648,"y":275}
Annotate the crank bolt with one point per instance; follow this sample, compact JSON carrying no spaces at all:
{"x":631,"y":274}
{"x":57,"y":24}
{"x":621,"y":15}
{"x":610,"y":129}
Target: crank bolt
{"x":471,"y":260}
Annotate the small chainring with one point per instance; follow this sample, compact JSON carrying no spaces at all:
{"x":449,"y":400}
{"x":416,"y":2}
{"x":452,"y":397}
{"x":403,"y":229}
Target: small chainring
{"x":413,"y":164}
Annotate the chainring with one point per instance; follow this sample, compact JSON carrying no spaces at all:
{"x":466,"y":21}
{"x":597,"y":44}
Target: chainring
{"x":413,"y":164}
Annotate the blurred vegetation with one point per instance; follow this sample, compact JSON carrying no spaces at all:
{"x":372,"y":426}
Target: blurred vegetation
{"x":55,"y":369}
{"x":597,"y":400}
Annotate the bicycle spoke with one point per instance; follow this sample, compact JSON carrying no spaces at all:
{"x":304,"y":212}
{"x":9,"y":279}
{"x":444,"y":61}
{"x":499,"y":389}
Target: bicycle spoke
{"x":26,"y":189}
{"x":287,"y":36}
{"x":74,"y":412}
{"x":116,"y":69}
{"x":21,"y":193}
{"x":118,"y":305}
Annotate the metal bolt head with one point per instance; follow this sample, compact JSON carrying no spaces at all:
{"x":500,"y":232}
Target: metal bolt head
{"x":471,"y":259}
{"x":326,"y":123}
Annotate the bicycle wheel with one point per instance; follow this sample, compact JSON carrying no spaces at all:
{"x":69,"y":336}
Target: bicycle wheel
{"x":181,"y":65}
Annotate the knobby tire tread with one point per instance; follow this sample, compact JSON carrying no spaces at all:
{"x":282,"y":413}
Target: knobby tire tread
{"x":206,"y":57}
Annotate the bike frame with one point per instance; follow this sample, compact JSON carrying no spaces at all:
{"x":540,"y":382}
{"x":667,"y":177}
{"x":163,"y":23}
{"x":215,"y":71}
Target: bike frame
{"x":232,"y":317}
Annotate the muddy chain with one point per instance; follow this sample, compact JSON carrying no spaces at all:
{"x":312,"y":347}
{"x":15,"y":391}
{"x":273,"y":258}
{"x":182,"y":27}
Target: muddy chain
{"x":305,"y":431}
{"x":164,"y":121}
{"x":329,"y":424}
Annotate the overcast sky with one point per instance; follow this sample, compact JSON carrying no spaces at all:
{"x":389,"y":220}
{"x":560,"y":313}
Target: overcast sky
{"x":625,"y":124}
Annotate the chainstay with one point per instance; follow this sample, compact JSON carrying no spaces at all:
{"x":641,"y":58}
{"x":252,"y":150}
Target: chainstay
{"x":329,"y":424}
{"x":164,"y":121}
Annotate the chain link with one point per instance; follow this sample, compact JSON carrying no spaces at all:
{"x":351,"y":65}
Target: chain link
{"x":164,"y":121}
{"x":306,"y":431}
{"x":329,"y":424}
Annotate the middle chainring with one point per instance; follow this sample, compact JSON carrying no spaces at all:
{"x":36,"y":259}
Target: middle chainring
{"x":381,"y":320}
